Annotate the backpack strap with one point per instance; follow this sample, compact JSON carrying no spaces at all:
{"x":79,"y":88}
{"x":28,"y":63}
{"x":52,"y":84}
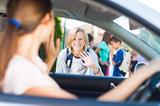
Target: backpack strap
{"x":88,"y":49}
{"x":69,"y":58}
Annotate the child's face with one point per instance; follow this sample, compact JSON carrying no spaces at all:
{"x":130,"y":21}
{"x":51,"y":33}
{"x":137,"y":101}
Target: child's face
{"x":78,"y":43}
{"x":115,"y":45}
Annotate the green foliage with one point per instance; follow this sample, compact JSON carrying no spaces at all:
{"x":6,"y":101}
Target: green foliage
{"x":58,"y":34}
{"x":58,"y":31}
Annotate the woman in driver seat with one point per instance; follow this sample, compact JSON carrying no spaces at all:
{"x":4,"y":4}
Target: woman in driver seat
{"x":22,"y":72}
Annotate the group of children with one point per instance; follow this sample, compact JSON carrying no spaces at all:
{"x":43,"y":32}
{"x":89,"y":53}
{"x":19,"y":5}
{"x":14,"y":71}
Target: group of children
{"x":114,"y":60}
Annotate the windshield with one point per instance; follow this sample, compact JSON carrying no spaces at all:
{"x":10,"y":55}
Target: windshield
{"x":150,"y":38}
{"x":145,"y":35}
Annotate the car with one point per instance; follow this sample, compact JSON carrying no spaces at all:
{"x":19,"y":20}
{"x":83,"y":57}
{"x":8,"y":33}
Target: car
{"x":103,"y":14}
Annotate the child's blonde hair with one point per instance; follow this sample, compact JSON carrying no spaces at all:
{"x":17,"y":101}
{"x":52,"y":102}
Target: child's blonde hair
{"x":72,"y":36}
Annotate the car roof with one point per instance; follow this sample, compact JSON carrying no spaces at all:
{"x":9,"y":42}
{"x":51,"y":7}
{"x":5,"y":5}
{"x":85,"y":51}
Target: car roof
{"x":99,"y":13}
{"x":86,"y":8}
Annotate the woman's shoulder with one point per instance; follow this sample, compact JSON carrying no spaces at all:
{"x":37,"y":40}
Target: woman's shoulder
{"x":22,"y":75}
{"x":92,"y":52}
{"x":20,"y":64}
{"x":17,"y":59}
{"x":64,"y":51}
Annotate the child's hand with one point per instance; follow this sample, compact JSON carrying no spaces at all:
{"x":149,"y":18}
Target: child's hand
{"x":88,"y":62}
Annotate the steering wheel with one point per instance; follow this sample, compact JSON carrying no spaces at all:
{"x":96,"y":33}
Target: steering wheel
{"x":146,"y":90}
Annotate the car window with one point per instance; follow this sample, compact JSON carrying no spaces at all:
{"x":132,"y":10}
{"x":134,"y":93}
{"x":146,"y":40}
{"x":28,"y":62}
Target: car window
{"x":145,"y":35}
{"x":97,"y":33}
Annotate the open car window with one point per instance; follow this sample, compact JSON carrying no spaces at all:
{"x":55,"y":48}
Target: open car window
{"x":97,"y":33}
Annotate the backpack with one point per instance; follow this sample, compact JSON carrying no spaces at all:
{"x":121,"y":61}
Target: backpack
{"x":125,"y":65}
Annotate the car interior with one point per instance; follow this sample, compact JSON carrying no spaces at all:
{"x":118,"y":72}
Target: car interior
{"x":106,"y":16}
{"x":89,"y":87}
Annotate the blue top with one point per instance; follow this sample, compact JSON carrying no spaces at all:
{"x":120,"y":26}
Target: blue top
{"x":118,"y":58}
{"x":104,"y":51}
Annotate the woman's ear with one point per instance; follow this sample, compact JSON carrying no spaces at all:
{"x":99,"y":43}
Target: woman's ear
{"x":46,"y":18}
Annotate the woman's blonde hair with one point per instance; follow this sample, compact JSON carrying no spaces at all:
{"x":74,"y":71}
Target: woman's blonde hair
{"x":72,"y":35}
